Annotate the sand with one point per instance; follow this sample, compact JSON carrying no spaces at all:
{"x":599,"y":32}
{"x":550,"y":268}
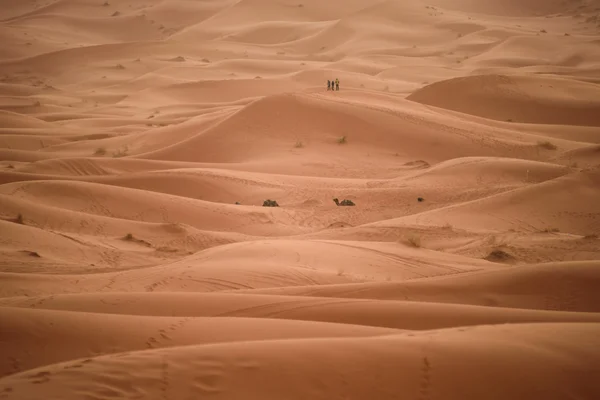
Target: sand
{"x":139,"y":139}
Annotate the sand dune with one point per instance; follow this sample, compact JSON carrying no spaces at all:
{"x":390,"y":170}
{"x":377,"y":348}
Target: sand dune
{"x":508,"y":98}
{"x":565,"y":286}
{"x":20,"y":121}
{"x":140,"y":139}
{"x":88,"y":203}
{"x":445,"y":361}
{"x":217,"y":267}
{"x":525,"y":208}
{"x":410,"y":315}
{"x":316,"y":122}
{"x":103,"y":334}
{"x":511,"y":8}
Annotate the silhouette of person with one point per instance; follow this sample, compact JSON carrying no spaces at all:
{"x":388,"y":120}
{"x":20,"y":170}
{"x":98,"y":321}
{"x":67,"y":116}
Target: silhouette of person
{"x":337,"y":84}
{"x":328,"y":84}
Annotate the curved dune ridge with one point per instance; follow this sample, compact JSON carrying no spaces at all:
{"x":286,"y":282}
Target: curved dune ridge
{"x":139,"y":140}
{"x":554,"y":100}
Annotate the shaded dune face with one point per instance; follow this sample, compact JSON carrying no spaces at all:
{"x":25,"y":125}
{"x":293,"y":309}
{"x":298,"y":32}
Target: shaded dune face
{"x":186,"y":211}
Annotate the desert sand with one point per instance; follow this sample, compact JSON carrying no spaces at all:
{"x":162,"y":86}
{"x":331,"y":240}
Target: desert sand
{"x":140,"y":138}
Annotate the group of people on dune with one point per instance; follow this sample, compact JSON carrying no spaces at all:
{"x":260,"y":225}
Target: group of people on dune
{"x":333,"y":85}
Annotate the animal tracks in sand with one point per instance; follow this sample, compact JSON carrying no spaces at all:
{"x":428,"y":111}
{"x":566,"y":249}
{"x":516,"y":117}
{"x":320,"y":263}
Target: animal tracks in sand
{"x":164,"y":335}
{"x":425,"y":384}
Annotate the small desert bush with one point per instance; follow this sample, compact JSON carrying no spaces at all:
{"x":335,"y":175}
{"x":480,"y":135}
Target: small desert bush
{"x":270,"y":203}
{"x":19,"y":219}
{"x":414,"y":240}
{"x":499,"y":255}
{"x":130,"y":238}
{"x":299,"y":144}
{"x":591,"y":236}
{"x":121,"y":153}
{"x":547,"y":145}
{"x":32,"y":253}
{"x":166,"y":249}
{"x":100,"y":151}
{"x":342,"y":140}
{"x":551,"y":230}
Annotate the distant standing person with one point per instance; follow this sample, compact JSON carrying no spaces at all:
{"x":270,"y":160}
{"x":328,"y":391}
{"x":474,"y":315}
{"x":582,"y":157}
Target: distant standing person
{"x":328,"y":84}
{"x":337,"y":84}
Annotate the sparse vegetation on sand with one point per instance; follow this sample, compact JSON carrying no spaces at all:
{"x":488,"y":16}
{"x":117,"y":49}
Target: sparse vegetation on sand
{"x":121,"y":152}
{"x":100,"y":151}
{"x":499,"y":255}
{"x":344,"y":202}
{"x":342,"y":140}
{"x":413,"y":240}
{"x":32,"y":253}
{"x":551,"y":230}
{"x":270,"y":203}
{"x":131,"y":238}
{"x":166,"y":249}
{"x":19,"y":219}
{"x":547,"y":145}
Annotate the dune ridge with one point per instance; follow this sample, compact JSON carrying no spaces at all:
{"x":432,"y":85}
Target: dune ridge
{"x":140,"y":140}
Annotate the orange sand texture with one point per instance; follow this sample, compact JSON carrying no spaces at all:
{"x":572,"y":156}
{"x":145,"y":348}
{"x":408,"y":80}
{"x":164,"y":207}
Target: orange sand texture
{"x":130,"y":129}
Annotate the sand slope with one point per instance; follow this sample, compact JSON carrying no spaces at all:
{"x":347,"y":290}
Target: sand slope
{"x":565,"y":286}
{"x":428,"y":362}
{"x":46,"y":337}
{"x":411,"y":315}
{"x":516,"y":98}
{"x":139,"y":140}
